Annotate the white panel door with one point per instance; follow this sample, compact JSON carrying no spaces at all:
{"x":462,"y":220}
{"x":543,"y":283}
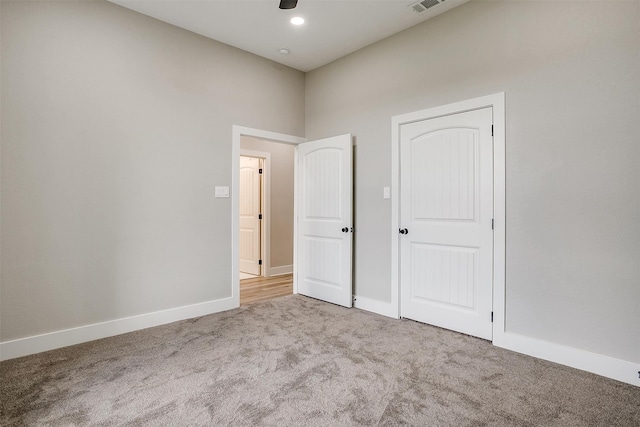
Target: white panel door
{"x":446,"y":211}
{"x":324,"y":213}
{"x":249,"y":236}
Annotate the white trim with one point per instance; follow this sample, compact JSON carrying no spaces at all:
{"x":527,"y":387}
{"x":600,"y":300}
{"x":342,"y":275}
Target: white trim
{"x":280,"y":270}
{"x":39,"y":343}
{"x":606,"y":366}
{"x":375,"y":306}
{"x":497,"y":102}
{"x":295,"y":222}
{"x":395,"y":215}
{"x":500,"y":216}
{"x":236,"y":134}
{"x":265,"y":233}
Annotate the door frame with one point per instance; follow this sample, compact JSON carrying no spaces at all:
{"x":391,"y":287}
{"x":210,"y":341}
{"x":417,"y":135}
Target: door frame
{"x":497,"y":102}
{"x":237,"y":132}
{"x":265,"y":207}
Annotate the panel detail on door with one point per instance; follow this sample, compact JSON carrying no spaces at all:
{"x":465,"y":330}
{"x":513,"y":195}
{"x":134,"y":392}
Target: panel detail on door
{"x":247,"y":250}
{"x":324,"y":257}
{"x":444,"y":165}
{"x":324,"y":223}
{"x":444,"y":274}
{"x":322,"y":179}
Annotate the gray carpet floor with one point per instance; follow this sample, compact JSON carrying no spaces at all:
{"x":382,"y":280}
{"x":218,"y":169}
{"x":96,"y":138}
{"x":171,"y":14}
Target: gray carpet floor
{"x":296,"y":361}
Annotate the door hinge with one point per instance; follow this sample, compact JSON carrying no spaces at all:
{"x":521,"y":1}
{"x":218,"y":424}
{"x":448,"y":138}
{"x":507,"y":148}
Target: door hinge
{"x":259,"y":262}
{"x":259,"y":216}
{"x":491,"y":133}
{"x":492,"y":223}
{"x":492,"y":317}
{"x":260,"y":170}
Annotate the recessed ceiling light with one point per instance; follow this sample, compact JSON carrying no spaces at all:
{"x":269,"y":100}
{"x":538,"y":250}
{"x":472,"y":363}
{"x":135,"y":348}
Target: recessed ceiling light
{"x":297,"y":20}
{"x":284,"y":51}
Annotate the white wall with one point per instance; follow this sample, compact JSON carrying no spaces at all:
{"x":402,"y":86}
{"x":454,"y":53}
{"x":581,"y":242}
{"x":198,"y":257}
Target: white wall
{"x":281,"y":218}
{"x":571,"y":73}
{"x":115,"y":130}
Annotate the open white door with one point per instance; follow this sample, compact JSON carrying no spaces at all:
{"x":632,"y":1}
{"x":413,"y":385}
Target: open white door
{"x":324,"y":213}
{"x":250,"y":215}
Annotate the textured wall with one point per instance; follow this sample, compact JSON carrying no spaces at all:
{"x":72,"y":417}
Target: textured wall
{"x":571,"y":73}
{"x":115,"y":129}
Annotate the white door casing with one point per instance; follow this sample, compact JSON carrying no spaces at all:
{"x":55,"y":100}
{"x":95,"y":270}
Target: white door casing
{"x":249,"y":209}
{"x":446,"y":212}
{"x":324,"y":219}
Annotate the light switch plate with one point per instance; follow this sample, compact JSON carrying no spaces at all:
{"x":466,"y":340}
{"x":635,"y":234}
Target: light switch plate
{"x":386,"y":192}
{"x":222,"y":191}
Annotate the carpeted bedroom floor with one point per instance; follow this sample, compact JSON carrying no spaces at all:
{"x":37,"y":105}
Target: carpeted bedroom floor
{"x":295,"y":361}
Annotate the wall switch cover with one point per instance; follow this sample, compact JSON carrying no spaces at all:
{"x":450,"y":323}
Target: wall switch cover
{"x":386,"y":192}
{"x":222,"y":191}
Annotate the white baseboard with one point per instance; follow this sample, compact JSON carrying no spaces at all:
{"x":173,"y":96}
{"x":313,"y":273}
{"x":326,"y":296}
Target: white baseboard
{"x":617,"y":369}
{"x":606,"y":366}
{"x":39,"y":343}
{"x":375,"y":306}
{"x":279,"y":271}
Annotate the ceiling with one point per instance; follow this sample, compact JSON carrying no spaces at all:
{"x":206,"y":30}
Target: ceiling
{"x":333,"y":28}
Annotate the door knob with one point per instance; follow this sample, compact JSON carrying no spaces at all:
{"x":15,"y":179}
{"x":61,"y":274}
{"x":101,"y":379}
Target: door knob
{"x":345,"y":229}
{"x":403,"y":231}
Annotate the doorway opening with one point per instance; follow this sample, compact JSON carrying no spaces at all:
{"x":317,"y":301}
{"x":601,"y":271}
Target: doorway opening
{"x":321,"y":223}
{"x":263,"y":227}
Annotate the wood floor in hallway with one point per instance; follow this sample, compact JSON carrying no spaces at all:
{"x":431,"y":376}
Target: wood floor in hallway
{"x":265,"y":288}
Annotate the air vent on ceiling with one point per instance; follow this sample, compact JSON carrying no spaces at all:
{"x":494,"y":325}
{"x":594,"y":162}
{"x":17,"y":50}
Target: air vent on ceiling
{"x":423,"y":5}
